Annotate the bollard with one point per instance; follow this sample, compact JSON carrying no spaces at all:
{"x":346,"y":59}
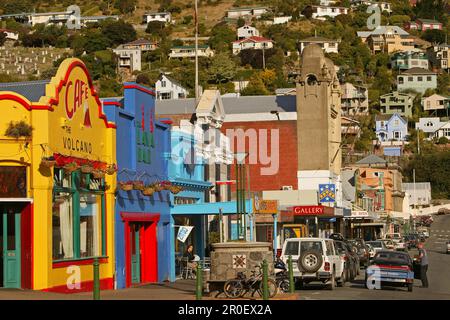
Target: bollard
{"x":265,"y":280}
{"x":199,"y":286}
{"x":96,"y":279}
{"x":291,"y":275}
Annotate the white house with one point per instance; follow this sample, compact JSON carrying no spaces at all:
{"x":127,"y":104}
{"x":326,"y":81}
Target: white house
{"x":247,"y":32}
{"x":281,"y":20}
{"x":128,"y":59}
{"x":181,"y":52}
{"x":165,"y":17}
{"x":252,"y":43}
{"x":10,"y":35}
{"x":320,"y":12}
{"x":141,"y":44}
{"x":167,"y":88}
{"x":58,"y":18}
{"x":96,"y":19}
{"x":417,"y":79}
{"x":327,"y":2}
{"x":429,"y":126}
{"x":236,"y":13}
{"x":384,"y":6}
{"x":328,"y":45}
{"x":443,"y":131}
{"x":419,"y":193}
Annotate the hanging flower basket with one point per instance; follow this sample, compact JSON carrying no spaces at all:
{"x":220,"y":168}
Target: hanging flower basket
{"x":48,"y":162}
{"x":166,"y":185}
{"x":175,"y":189}
{"x":158,"y":187}
{"x":126,"y":185}
{"x":138,"y":185}
{"x":70,"y":167}
{"x":86,"y":168}
{"x":98,"y":174}
{"x":148,"y":190}
{"x":111,"y":169}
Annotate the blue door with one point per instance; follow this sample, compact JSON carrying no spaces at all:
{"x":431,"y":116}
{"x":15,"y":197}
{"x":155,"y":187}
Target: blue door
{"x":10,"y":236}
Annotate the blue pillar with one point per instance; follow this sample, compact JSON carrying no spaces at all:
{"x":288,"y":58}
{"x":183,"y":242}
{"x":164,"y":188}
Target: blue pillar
{"x":275,"y":217}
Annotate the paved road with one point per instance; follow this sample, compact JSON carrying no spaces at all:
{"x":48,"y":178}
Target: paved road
{"x":438,"y":275}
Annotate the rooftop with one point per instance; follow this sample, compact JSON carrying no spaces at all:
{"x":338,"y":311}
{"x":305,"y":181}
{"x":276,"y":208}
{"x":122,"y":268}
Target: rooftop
{"x":418,"y":71}
{"x":200,"y":46}
{"x":246,"y":8}
{"x":32,"y":90}
{"x":232,"y":105}
{"x":372,"y":159}
{"x":318,"y":39}
{"x":253,"y":39}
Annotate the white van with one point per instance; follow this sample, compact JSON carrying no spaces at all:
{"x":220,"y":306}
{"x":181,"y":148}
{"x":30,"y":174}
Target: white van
{"x":314,"y":259}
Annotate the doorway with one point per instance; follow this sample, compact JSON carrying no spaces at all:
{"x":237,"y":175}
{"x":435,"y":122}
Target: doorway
{"x":10,"y":244}
{"x":141,"y":252}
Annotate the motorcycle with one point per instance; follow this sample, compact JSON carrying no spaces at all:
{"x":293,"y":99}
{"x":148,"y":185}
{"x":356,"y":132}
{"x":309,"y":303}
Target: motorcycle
{"x":281,"y":275}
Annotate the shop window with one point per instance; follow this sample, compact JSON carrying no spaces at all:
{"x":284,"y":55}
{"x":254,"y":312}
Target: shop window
{"x":78,"y":216}
{"x":62,"y":226}
{"x":90,"y":212}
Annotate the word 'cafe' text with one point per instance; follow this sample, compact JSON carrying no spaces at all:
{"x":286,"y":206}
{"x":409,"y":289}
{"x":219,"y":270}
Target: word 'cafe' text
{"x":80,"y":94}
{"x":77,"y":145}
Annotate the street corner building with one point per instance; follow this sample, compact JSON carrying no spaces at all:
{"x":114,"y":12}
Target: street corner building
{"x":57,"y":182}
{"x":142,"y":217}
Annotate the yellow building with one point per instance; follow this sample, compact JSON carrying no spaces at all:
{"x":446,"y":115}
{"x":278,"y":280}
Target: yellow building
{"x":57,"y":182}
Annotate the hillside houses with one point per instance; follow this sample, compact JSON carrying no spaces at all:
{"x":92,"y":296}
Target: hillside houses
{"x":417,"y":79}
{"x":328,"y":45}
{"x":188,"y":51}
{"x":168,"y":89}
{"x":246,"y":12}
{"x":253,"y":42}
{"x":387,"y":39}
{"x":320,"y":12}
{"x":165,"y":17}
{"x":247,"y":31}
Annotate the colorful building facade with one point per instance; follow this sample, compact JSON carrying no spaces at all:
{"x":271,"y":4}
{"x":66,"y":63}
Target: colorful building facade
{"x":57,"y":177}
{"x":141,"y":219}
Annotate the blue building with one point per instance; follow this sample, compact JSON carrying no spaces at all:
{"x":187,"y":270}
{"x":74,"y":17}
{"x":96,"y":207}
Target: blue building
{"x":200,"y":159}
{"x":142,"y":221}
{"x":391,"y":127}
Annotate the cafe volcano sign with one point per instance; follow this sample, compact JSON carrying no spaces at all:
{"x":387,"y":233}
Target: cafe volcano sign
{"x":77,"y":125}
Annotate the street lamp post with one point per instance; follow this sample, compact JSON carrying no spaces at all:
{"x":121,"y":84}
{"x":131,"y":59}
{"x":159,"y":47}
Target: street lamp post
{"x":240,"y":194}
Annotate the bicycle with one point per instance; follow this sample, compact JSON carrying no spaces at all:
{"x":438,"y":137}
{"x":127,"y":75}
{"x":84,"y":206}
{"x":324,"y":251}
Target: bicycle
{"x":236,"y":288}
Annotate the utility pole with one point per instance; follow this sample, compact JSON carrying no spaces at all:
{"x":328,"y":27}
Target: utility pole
{"x":196,"y":54}
{"x":264,"y":56}
{"x":415,"y":195}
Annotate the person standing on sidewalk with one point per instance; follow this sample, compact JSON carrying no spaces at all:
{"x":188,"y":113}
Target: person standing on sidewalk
{"x":423,"y":255}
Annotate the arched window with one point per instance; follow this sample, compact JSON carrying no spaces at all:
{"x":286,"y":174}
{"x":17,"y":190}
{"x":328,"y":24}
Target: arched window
{"x":311,"y":80}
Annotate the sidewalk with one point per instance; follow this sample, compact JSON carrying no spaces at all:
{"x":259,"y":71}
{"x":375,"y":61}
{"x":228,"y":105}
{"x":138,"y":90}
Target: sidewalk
{"x":179,"y":290}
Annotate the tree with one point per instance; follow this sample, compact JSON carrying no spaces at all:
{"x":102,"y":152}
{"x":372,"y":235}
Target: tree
{"x":16,"y":6}
{"x":443,"y":84}
{"x":442,"y":140}
{"x":119,"y":32}
{"x":125,"y":6}
{"x":255,"y":87}
{"x":156,"y":28}
{"x":2,"y":38}
{"x":434,"y":35}
{"x":143,"y":79}
{"x":96,"y":41}
{"x":221,"y":37}
{"x":222,"y":68}
{"x":240,"y":22}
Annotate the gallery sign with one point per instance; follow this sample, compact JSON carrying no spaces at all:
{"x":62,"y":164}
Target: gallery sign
{"x":312,"y":210}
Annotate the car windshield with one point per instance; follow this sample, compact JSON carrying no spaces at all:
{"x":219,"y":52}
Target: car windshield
{"x":376,"y":244}
{"x":311,"y":245}
{"x":392,"y":258}
{"x":340,"y":247}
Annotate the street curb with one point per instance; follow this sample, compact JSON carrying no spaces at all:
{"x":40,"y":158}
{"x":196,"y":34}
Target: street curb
{"x":284,"y":296}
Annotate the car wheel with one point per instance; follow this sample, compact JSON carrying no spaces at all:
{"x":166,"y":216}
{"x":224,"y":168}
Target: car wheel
{"x":332,"y":283}
{"x":310,"y":261}
{"x":410,"y":287}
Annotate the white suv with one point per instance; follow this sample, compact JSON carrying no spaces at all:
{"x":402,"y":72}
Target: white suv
{"x":314,"y":259}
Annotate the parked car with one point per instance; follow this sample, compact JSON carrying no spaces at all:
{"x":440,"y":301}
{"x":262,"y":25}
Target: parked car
{"x":317,"y":260}
{"x":349,"y":265}
{"x":391,"y":268}
{"x":363,"y":252}
{"x":423,"y":232}
{"x":393,"y":236}
{"x":400,"y":245}
{"x":390,"y":245}
{"x":377,"y":245}
{"x":448,"y":247}
{"x":371,"y":251}
{"x":337,"y":236}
